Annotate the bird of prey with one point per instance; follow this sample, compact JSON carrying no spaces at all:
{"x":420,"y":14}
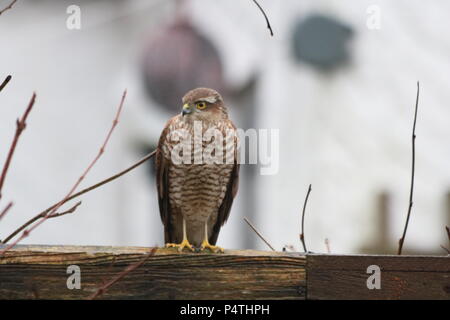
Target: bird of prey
{"x":195,"y":194}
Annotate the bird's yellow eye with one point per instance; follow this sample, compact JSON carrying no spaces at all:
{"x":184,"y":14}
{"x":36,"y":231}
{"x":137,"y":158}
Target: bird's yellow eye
{"x":200,"y":105}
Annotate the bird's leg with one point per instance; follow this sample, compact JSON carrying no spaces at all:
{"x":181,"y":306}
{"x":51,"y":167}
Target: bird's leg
{"x":184,"y":244}
{"x":206,"y":245}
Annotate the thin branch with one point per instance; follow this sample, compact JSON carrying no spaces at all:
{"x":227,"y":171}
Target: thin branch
{"x":448,"y":233}
{"x":76,"y":195}
{"x":5,"y":82}
{"x":4,"y":211}
{"x":8,"y":7}
{"x":26,"y":232}
{"x":54,"y":215}
{"x":302,"y":235}
{"x":21,"y":124}
{"x":265,"y":17}
{"x":402,"y":239}
{"x":59,"y":214}
{"x":100,"y":291}
{"x":327,"y":245}
{"x":259,"y":234}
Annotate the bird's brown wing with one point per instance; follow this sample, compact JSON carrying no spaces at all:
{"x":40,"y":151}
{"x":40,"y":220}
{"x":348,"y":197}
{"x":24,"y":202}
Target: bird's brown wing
{"x":232,"y":188}
{"x":162,"y":184}
{"x":225,"y":207}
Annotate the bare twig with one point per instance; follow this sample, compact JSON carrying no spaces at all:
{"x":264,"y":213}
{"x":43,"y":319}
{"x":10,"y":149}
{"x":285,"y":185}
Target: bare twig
{"x":5,"y":82}
{"x":327,"y":245}
{"x":448,"y":232}
{"x":76,"y":195}
{"x":8,"y":7}
{"x":26,"y":232}
{"x":4,"y":211}
{"x":122,"y":274}
{"x":302,"y":235}
{"x":59,"y":214}
{"x":265,"y":17}
{"x":448,"y":235}
{"x":402,"y":239}
{"x":54,"y":215}
{"x":259,"y":234}
{"x":21,"y":124}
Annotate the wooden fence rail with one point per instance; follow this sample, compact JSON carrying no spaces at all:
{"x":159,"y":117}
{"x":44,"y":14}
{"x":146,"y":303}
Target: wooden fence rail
{"x":43,"y":272}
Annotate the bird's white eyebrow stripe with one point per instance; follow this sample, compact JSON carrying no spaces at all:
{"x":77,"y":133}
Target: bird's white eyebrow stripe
{"x":210,"y":99}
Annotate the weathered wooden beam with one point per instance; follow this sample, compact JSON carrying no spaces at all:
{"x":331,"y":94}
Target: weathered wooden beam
{"x":41,"y":272}
{"x":401,"y":277}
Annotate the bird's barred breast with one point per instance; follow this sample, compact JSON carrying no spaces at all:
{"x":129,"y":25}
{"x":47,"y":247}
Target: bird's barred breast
{"x":196,"y":191}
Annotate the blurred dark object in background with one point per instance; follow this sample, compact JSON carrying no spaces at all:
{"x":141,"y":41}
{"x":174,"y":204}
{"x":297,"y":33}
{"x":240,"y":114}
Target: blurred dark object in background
{"x":322,"y":41}
{"x":177,"y":60}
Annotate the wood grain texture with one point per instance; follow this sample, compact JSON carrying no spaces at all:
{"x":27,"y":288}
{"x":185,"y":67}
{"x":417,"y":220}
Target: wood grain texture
{"x":402,"y":277}
{"x":39,"y":272}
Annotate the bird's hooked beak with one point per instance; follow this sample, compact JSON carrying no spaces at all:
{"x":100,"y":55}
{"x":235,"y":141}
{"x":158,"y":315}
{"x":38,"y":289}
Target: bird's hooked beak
{"x":186,"y":109}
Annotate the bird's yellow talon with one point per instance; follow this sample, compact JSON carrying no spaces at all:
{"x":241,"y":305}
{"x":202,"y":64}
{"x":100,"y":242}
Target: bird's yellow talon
{"x":180,"y":246}
{"x":207,"y":245}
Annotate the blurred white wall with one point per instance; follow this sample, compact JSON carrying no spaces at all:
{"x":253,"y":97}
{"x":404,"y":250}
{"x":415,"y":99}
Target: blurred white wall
{"x":347,"y":133}
{"x":350,"y":134}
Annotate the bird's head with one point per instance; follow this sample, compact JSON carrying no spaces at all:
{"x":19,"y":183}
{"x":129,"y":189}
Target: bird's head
{"x":203,"y":104}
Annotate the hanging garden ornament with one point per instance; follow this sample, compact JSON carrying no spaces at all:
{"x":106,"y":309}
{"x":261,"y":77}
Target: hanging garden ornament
{"x":322,"y":41}
{"x":178,"y":59}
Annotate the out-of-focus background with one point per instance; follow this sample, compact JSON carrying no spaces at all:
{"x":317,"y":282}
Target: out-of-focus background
{"x":338,"y":80}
